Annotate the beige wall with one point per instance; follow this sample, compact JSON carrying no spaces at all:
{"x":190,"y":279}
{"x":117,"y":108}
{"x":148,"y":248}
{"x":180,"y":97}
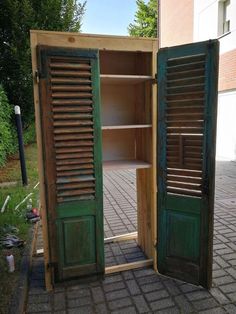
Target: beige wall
{"x":176,"y":18}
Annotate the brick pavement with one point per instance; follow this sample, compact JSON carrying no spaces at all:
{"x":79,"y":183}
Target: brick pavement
{"x":143,"y":291}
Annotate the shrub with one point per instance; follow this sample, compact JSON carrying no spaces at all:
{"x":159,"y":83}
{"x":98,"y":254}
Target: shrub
{"x":6,"y":129}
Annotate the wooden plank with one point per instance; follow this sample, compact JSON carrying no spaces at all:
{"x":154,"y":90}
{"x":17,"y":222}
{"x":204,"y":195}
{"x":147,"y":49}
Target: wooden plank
{"x":122,"y":237}
{"x":128,"y":266}
{"x":125,"y":164}
{"x":131,"y":126}
{"x":70,"y":88}
{"x":124,"y":79}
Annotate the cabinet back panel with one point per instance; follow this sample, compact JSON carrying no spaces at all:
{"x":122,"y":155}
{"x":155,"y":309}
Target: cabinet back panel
{"x":129,"y":63}
{"x":118,"y":144}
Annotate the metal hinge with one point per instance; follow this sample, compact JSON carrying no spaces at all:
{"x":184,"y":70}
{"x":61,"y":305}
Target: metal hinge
{"x":51,"y":265}
{"x":36,"y":76}
{"x":154,"y":81}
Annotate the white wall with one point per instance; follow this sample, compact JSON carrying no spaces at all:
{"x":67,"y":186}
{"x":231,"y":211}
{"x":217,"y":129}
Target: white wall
{"x":206,"y":23}
{"x":226,"y":126}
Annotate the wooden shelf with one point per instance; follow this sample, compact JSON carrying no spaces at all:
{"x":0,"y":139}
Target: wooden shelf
{"x":118,"y":79}
{"x":125,"y":164}
{"x":128,"y":126}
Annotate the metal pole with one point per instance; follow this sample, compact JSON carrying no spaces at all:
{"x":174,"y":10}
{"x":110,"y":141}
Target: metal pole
{"x":21,"y":145}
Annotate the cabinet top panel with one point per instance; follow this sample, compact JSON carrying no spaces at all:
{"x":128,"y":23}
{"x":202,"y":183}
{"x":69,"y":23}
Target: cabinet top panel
{"x":93,"y":41}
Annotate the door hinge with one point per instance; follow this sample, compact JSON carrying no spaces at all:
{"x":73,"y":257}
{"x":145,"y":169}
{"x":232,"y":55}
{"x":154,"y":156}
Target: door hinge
{"x":154,"y":80}
{"x":51,"y":265}
{"x":36,"y":76}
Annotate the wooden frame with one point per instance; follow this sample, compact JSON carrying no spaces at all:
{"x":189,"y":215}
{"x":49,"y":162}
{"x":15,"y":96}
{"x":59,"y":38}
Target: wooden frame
{"x":141,"y":52}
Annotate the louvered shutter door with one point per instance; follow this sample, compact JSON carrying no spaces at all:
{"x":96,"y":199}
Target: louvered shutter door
{"x":70,"y":121}
{"x":187,"y":98}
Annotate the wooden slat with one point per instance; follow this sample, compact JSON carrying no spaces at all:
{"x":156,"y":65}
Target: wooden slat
{"x":65,"y":80}
{"x":70,"y":150}
{"x":71,"y":173}
{"x":189,"y":80}
{"x":71,"y":116}
{"x":184,"y":179}
{"x":185,"y":88}
{"x":185,"y":66}
{"x":71,"y":186}
{"x":72,"y":130}
{"x":69,"y":179}
{"x":74,"y":162}
{"x":73,"y":109}
{"x":183,"y":191}
{"x":184,"y":172}
{"x":72,"y":102}
{"x":181,"y":130}
{"x":75,"y":167}
{"x":71,"y":73}
{"x":76,"y":192}
{"x":73,"y":123}
{"x":186,"y":59}
{"x":185,"y":74}
{"x":74,"y":155}
{"x":75,"y":136}
{"x":183,"y":185}
{"x":74,"y":198}
{"x":128,"y":266}
{"x":71,"y":95}
{"x":74,"y":66}
{"x":80,"y":143}
{"x":71,"y":88}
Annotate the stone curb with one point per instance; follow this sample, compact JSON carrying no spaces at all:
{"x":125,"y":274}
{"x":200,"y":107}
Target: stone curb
{"x":19,"y":296}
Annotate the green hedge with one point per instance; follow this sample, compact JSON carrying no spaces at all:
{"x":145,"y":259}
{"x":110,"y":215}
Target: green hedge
{"x":7,"y":131}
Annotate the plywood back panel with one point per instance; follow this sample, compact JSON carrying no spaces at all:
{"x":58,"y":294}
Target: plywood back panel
{"x":118,"y":144}
{"x":123,"y":62}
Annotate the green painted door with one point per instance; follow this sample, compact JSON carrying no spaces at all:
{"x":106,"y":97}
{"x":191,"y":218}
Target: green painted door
{"x":71,"y":144}
{"x":187,"y":108}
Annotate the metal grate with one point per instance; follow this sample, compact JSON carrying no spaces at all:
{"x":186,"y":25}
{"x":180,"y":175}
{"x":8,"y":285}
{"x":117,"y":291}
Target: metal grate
{"x":73,"y":125}
{"x":184,"y":119}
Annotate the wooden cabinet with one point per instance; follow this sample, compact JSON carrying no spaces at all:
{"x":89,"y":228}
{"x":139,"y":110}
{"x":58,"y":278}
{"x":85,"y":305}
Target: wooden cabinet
{"x":97,"y":96}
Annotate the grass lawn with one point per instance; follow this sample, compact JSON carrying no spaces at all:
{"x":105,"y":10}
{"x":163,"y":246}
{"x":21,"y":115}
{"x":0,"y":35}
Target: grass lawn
{"x":11,"y":173}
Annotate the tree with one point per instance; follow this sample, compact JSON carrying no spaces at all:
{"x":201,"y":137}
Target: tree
{"x":17,"y":17}
{"x":145,"y":22}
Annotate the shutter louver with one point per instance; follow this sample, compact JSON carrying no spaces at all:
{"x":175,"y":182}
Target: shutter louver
{"x":73,"y":125}
{"x":184,"y":118}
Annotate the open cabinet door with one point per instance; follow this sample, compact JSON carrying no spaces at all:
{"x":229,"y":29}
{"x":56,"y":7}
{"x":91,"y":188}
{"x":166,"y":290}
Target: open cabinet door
{"x":187,"y":108}
{"x":71,"y":145}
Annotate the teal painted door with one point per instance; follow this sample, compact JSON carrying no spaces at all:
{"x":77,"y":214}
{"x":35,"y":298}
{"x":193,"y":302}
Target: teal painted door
{"x":71,"y":142}
{"x":187,"y":108}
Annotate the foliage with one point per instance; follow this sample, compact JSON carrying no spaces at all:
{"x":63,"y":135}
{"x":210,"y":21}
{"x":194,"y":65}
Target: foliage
{"x":17,"y":17}
{"x":145,"y":22}
{"x":6,"y":131}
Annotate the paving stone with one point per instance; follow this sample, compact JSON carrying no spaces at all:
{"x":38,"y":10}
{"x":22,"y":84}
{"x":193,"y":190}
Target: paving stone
{"x":199,"y":294}
{"x":39,"y":307}
{"x":116,"y":294}
{"x":162,"y":304}
{"x":127,"y":310}
{"x":101,"y":308}
{"x":77,"y":293}
{"x":81,"y":310}
{"x":114,"y":286}
{"x":141,"y":304}
{"x":232,"y":296}
{"x":79,"y":302}
{"x":184,"y":304}
{"x":59,"y":301}
{"x":116,"y":304}
{"x":229,"y":288}
{"x":230,"y":308}
{"x":205,"y":304}
{"x":217,"y":310}
{"x":219,"y":296}
{"x":133,"y":287}
{"x":171,"y":310}
{"x":223,"y":280}
{"x":152,"y":286}
{"x":156,"y":295}
{"x":98,"y":294}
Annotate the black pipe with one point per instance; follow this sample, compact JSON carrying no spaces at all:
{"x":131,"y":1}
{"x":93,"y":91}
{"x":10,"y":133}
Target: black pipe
{"x":21,"y":145}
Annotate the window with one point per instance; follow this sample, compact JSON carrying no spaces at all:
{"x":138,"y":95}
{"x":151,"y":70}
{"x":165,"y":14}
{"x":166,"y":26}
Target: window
{"x":224,"y":17}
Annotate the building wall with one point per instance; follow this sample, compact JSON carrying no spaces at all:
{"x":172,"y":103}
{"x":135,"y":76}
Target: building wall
{"x":176,"y":22}
{"x":197,"y":20}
